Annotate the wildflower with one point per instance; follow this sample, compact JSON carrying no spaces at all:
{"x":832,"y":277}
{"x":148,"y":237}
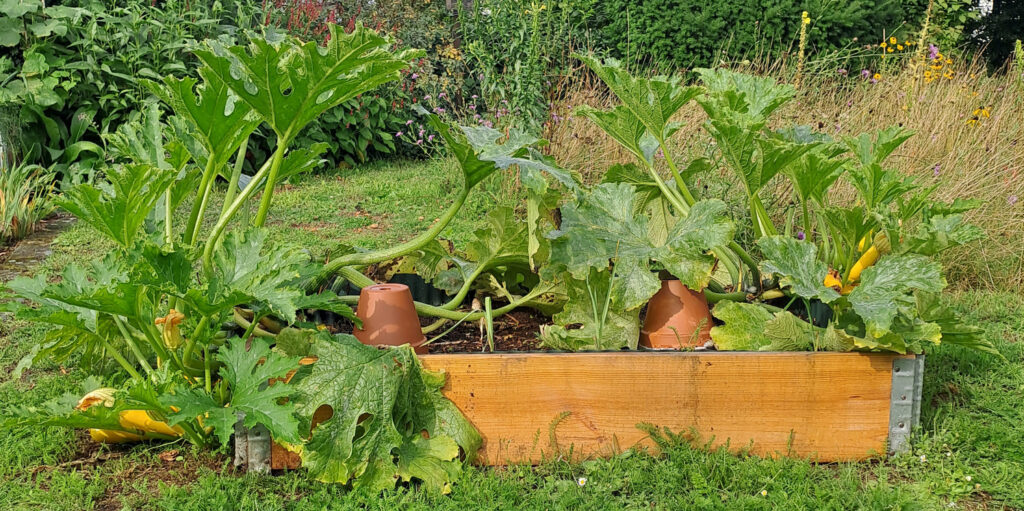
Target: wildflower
{"x":419,"y":142}
{"x":877,"y":77}
{"x":888,"y":50}
{"x":581,"y":481}
{"x":421,"y":133}
{"x":933,"y":52}
{"x":438,"y":110}
{"x":804,"y":18}
{"x":472,"y":107}
{"x":884,"y":44}
{"x":1011,"y":200}
{"x":426,"y":98}
{"x":892,"y":40}
{"x":899,"y":47}
{"x":442,"y":95}
{"x":170,"y":332}
{"x":488,"y":124}
{"x":800,"y":235}
{"x":865,"y":74}
{"x":924,"y":459}
{"x":936,"y":174}
{"x":398,"y":134}
{"x":430,"y":138}
{"x":841,"y":71}
{"x":407,"y":123}
{"x":764,"y":493}
{"x":967,"y":478}
{"x":414,"y":76}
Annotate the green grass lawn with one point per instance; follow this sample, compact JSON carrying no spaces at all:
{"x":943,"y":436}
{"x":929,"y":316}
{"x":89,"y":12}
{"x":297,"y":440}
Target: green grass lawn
{"x":969,"y":453}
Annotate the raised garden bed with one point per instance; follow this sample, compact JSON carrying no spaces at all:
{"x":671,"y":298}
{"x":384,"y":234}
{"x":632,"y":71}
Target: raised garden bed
{"x":828,"y":407}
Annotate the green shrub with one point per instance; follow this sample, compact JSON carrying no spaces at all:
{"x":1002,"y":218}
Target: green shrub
{"x":692,"y":34}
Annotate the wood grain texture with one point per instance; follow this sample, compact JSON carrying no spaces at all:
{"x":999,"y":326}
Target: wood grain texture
{"x":531,"y":407}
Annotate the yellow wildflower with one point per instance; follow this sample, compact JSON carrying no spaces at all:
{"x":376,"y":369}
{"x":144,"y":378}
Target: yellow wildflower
{"x":171,"y":334}
{"x":805,"y":18}
{"x":883,"y":45}
{"x":899,"y":47}
{"x":892,"y":40}
{"x":877,"y":76}
{"x":889,"y":49}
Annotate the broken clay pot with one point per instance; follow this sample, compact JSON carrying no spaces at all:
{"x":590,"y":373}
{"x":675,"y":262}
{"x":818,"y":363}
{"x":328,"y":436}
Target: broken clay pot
{"x":677,"y":318}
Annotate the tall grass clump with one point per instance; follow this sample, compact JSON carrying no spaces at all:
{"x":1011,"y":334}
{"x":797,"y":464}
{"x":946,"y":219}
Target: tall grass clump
{"x":968,"y":124}
{"x":24,"y":200}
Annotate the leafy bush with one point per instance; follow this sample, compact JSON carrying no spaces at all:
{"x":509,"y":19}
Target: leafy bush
{"x":75,"y":69}
{"x":998,"y":31}
{"x":692,"y":34}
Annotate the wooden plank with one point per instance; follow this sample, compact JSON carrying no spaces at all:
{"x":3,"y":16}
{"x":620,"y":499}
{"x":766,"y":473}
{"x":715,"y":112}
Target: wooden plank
{"x":824,"y":406}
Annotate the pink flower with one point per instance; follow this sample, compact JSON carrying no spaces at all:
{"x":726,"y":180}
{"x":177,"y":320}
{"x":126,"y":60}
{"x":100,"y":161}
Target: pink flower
{"x":430,"y":138}
{"x":1011,"y":200}
{"x":414,"y":76}
{"x":419,"y":142}
{"x":442,"y":95}
{"x":936,"y":169}
{"x":426,"y":98}
{"x":398,"y":134}
{"x":408,"y":122}
{"x":864,"y":73}
{"x":933,"y":51}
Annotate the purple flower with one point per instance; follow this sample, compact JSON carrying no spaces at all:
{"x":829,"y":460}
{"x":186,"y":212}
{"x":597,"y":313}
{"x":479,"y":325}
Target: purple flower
{"x":841,"y":71}
{"x":398,"y":134}
{"x":476,"y":116}
{"x":421,"y":133}
{"x":408,"y":122}
{"x":442,"y":95}
{"x":474,"y":96}
{"x":1011,"y":200}
{"x":430,"y":138}
{"x":933,"y":51}
{"x":849,"y":103}
{"x":864,"y":73}
{"x":936,"y":169}
{"x":472,"y":107}
{"x":489,"y":124}
{"x":504,"y":101}
{"x":873,"y":81}
{"x":800,"y":235}
{"x":414,"y":76}
{"x":419,"y":142}
{"x":438,"y":110}
{"x":426,"y":98}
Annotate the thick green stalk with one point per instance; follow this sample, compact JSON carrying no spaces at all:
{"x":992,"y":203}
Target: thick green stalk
{"x":116,"y":355}
{"x":195,"y":217}
{"x":236,"y":174}
{"x":676,"y":201}
{"x":747,"y":260}
{"x":133,"y":347}
{"x":225,"y":219}
{"x":713,"y":297}
{"x":807,"y":220}
{"x":438,"y":312}
{"x":168,"y":224}
{"x":677,"y":176}
{"x":763,"y":225}
{"x":190,"y":343}
{"x":268,"y":189}
{"x":364,"y":258}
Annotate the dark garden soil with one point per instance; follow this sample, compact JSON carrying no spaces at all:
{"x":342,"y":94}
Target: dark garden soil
{"x":515,"y":331}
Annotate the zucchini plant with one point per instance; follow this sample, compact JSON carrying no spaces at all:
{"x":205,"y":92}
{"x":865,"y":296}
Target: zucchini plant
{"x":160,"y":314}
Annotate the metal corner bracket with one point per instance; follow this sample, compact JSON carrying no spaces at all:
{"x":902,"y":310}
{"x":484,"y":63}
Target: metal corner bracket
{"x":905,"y":402}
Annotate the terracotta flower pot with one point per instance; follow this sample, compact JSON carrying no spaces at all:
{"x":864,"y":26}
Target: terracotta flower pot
{"x":389,"y":317}
{"x":674,"y":314}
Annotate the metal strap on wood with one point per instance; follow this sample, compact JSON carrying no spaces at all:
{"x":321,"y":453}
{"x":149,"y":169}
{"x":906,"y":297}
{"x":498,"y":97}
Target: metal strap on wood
{"x":252,"y":447}
{"x":905,"y":402}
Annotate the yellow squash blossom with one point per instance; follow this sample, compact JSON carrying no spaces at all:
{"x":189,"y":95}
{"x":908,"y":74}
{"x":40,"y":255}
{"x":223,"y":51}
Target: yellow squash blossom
{"x":171,"y":334}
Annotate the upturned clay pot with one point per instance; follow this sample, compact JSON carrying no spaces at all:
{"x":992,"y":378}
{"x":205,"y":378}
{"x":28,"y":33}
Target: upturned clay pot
{"x":389,"y":317}
{"x":674,"y":314}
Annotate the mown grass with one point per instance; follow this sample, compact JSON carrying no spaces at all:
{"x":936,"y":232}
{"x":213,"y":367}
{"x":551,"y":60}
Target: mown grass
{"x":971,"y":428}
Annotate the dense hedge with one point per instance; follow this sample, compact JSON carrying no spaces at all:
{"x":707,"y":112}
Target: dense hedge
{"x":689,"y":34}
